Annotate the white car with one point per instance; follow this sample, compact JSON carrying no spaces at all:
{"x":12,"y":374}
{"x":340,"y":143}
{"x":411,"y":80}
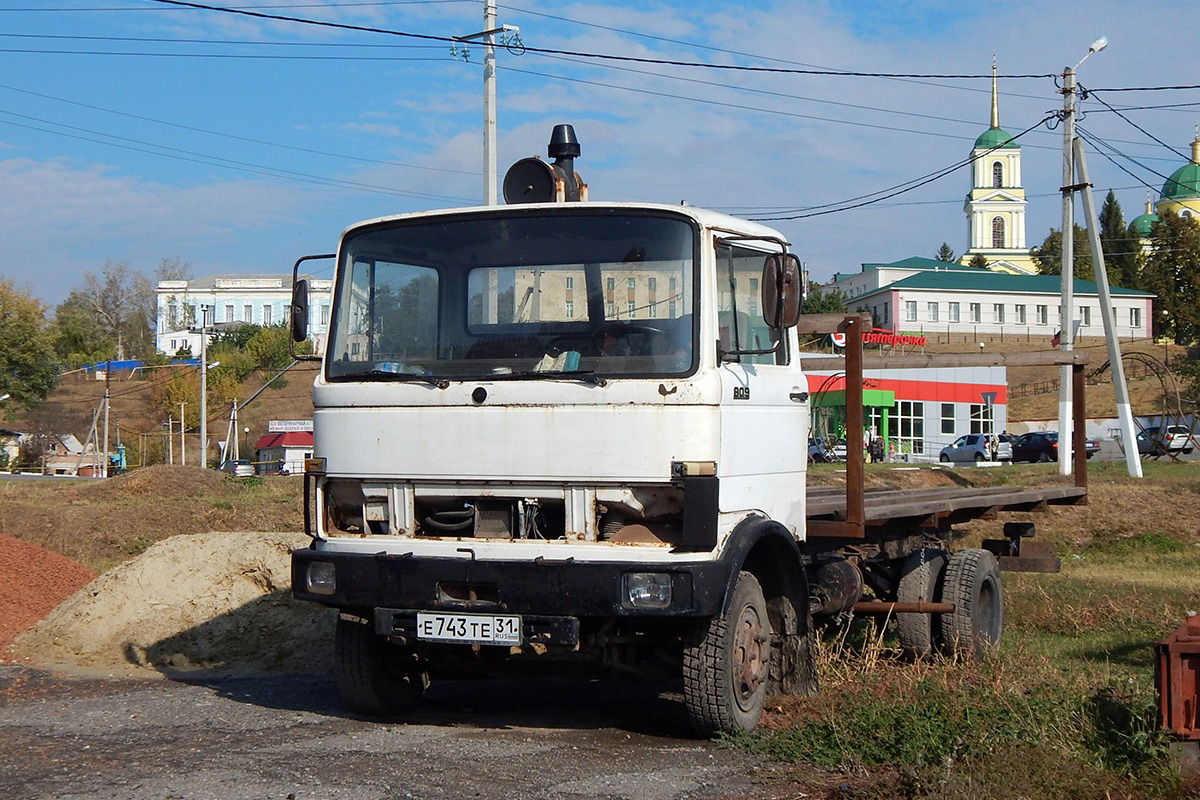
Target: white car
{"x":240,"y":468}
{"x":975,"y":447}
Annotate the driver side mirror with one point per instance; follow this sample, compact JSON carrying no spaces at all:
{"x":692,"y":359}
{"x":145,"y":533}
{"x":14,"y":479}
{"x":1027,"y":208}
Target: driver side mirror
{"x":782,"y":290}
{"x":300,"y":310}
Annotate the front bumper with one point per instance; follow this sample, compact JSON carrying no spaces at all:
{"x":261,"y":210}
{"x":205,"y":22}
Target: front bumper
{"x":535,"y":588}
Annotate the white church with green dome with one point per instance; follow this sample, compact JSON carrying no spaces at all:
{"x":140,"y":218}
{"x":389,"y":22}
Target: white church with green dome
{"x":995,"y":206}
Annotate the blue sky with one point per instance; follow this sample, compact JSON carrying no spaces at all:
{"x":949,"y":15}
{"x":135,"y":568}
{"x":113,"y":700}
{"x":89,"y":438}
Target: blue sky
{"x":135,"y":131}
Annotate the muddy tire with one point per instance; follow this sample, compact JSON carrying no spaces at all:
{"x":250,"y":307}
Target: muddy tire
{"x":920,"y":580}
{"x":375,"y":677}
{"x":972,"y":584}
{"x":726,"y":661}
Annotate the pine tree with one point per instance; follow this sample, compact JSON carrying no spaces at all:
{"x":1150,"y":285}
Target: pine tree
{"x":1048,"y":257}
{"x":1121,"y":248}
{"x":944,"y":253}
{"x":978,"y":260}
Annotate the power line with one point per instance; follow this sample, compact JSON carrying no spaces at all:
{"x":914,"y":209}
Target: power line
{"x":215,"y":161}
{"x":1139,"y":128}
{"x":232,"y":136}
{"x":898,"y":189}
{"x":579,"y":54}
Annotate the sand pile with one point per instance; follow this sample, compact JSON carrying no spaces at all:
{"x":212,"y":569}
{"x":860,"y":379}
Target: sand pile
{"x":216,"y":601}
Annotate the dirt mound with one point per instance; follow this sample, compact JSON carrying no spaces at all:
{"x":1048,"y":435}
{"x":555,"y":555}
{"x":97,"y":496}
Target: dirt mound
{"x":215,"y":601}
{"x":163,"y":480}
{"x":33,"y":580}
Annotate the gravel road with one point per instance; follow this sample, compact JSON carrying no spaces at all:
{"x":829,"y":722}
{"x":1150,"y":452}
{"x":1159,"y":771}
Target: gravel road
{"x":286,"y":737}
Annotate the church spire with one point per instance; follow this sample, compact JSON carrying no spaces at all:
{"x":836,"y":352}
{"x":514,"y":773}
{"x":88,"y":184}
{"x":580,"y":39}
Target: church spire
{"x":995,"y":98}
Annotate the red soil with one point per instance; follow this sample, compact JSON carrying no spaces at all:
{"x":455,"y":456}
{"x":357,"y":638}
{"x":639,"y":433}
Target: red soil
{"x":33,"y":580}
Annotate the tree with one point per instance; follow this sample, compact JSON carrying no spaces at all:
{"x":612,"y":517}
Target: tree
{"x":123,"y":302}
{"x":28,"y":364}
{"x":79,"y":337}
{"x":1121,"y":247}
{"x":978,"y":260}
{"x":1048,"y":257}
{"x":1172,"y":272}
{"x":823,"y":301}
{"x":944,"y":253}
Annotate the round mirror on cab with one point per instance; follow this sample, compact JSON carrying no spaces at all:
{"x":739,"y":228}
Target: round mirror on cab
{"x":782,"y":290}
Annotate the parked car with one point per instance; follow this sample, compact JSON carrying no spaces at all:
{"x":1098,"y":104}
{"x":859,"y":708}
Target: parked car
{"x":976,"y":447}
{"x":240,"y":467}
{"x":1172,"y":439}
{"x":1043,"y":446}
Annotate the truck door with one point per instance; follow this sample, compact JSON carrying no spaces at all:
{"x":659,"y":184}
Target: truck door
{"x":764,"y":405}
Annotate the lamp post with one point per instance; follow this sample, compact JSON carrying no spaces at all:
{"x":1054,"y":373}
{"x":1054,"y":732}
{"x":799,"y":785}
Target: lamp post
{"x":1066,"y":312}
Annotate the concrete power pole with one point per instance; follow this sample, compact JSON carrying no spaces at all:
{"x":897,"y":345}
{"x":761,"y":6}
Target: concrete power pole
{"x":1066,"y":317}
{"x":1133,"y":459}
{"x":489,"y":103}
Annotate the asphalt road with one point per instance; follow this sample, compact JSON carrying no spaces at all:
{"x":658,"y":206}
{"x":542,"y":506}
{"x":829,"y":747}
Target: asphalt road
{"x":286,"y":737}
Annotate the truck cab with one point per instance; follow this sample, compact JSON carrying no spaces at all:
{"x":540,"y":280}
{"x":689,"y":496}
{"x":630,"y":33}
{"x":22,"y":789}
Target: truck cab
{"x":557,"y":428}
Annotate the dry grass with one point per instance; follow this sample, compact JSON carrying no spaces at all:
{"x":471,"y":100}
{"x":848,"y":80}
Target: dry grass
{"x":102,"y":523}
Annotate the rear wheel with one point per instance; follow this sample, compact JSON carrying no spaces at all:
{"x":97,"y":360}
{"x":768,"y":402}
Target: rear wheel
{"x":1043,"y":457}
{"x":725,"y":663}
{"x":374,"y":676}
{"x":919,"y":580}
{"x":972,"y":584}
{"x":980,"y":457}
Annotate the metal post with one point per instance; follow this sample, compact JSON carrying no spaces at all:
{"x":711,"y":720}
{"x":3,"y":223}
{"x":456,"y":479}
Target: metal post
{"x":1067,"y":314}
{"x":204,"y":387}
{"x":855,"y":501}
{"x":182,"y":435}
{"x":489,"y":103}
{"x":1133,"y":459}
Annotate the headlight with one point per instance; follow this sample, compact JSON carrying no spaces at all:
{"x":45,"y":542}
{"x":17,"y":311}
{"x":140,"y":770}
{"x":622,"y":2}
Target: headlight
{"x":322,"y":577}
{"x":646,"y":590}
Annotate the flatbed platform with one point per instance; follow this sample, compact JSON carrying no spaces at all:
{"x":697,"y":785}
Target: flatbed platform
{"x":937,"y":507}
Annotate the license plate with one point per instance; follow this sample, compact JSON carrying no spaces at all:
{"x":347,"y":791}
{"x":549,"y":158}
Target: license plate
{"x":469,"y":628}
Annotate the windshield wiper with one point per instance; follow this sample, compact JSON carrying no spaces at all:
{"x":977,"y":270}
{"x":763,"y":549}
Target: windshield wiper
{"x":406,"y":377}
{"x":580,"y":375}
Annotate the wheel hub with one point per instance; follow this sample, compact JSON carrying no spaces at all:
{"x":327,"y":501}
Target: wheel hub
{"x":749,"y":651}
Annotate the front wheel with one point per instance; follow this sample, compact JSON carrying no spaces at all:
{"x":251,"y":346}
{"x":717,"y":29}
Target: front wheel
{"x":725,"y":663}
{"x":945,"y":459}
{"x":374,"y":676}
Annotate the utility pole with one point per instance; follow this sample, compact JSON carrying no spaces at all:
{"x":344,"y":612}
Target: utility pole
{"x":203,"y":387}
{"x":488,"y":36}
{"x":170,"y":440}
{"x":1133,"y":459}
{"x":489,"y":103}
{"x":107,"y":379}
{"x":1066,"y":316}
{"x":1066,"y":334}
{"x":182,"y":434}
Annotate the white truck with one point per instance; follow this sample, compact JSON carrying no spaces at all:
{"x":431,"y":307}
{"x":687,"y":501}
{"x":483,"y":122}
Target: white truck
{"x":559,"y":430}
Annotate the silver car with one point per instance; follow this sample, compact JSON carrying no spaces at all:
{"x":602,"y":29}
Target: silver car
{"x":976,"y":447}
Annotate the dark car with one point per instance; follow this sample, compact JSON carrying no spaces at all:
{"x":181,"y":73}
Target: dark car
{"x":1043,"y":446}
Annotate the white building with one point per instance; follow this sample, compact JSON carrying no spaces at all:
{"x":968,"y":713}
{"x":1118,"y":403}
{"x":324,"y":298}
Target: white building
{"x":230,"y":300}
{"x":986,"y":302}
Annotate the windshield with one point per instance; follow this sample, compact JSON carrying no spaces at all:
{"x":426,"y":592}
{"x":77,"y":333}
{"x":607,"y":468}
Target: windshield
{"x":531,"y":294}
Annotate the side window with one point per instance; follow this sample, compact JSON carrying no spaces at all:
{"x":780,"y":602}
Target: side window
{"x":740,"y":326}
